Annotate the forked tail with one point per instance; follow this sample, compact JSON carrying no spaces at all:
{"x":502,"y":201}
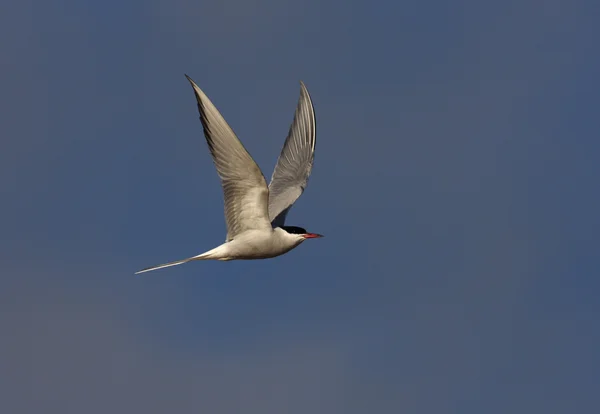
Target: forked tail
{"x":203,"y":256}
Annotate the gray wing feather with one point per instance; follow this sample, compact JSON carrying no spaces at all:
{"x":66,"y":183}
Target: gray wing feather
{"x":295,"y":161}
{"x":244,"y":186}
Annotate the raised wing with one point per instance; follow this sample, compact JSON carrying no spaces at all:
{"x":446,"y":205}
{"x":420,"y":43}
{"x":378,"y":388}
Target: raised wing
{"x":244,"y":186}
{"x":295,"y":161}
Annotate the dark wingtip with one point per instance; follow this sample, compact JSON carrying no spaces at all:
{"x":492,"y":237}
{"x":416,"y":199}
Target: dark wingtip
{"x":190,"y":80}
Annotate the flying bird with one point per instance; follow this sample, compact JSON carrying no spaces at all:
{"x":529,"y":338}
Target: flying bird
{"x":255,"y":213}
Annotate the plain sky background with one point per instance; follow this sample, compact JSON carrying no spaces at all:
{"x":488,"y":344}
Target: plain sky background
{"x":455,"y":180}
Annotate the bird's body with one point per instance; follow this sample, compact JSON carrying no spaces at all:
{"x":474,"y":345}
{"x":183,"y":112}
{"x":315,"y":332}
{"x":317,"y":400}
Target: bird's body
{"x":258,"y":244}
{"x":254,"y":213}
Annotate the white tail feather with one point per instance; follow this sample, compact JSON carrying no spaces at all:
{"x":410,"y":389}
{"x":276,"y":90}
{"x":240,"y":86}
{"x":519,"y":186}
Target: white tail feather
{"x":204,"y":256}
{"x":162,"y":266}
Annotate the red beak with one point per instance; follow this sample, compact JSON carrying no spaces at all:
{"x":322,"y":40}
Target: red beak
{"x":312,"y":236}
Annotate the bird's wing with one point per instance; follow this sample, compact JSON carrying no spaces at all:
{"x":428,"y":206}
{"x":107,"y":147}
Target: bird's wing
{"x":244,"y":186}
{"x":295,"y":161}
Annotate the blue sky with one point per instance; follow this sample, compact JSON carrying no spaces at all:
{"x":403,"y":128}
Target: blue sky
{"x":455,"y":180}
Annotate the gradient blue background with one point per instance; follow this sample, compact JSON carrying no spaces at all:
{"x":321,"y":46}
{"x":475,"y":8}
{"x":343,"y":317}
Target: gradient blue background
{"x":456,"y":181}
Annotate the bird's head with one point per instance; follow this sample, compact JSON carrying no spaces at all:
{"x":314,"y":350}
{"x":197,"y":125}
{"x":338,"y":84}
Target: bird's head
{"x":300,"y":232}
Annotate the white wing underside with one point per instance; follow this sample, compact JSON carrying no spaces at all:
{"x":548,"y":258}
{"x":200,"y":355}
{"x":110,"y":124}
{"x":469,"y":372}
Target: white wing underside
{"x":244,"y":186}
{"x":295,"y":162}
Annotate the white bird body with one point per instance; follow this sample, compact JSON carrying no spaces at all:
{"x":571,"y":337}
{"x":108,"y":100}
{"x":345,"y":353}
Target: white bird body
{"x":256,"y":244}
{"x":254,"y":213}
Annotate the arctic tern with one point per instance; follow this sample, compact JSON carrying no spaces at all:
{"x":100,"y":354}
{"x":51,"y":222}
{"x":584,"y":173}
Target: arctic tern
{"x":254,"y":213}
